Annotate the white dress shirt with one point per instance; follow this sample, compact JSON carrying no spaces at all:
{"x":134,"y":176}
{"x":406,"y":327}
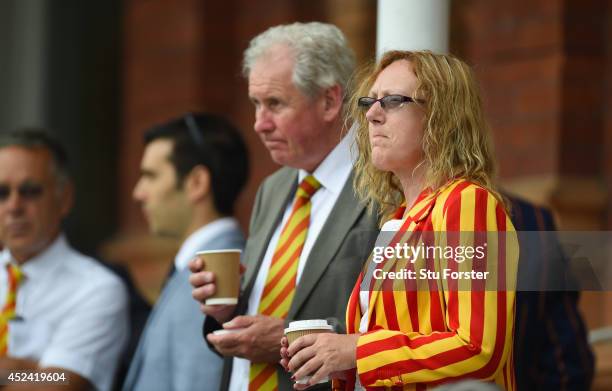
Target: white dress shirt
{"x":71,"y":313}
{"x":383,"y":240}
{"x":194,"y":242}
{"x":332,"y":173}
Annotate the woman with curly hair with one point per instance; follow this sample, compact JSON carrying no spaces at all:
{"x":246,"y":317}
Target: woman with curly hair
{"x":417,"y":319}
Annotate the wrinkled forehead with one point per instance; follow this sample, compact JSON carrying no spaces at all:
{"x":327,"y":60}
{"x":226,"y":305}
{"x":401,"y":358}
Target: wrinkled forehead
{"x":398,"y":76}
{"x":19,"y":164}
{"x":266,"y":72}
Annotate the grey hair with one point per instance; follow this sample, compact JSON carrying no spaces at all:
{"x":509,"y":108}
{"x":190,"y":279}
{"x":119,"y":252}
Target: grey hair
{"x":30,"y":138}
{"x":322,"y":55}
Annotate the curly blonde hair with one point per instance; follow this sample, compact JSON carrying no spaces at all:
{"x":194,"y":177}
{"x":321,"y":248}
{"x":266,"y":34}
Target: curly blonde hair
{"x":455,"y":140}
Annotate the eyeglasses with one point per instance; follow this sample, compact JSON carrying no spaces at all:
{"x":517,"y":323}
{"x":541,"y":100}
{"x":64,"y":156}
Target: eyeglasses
{"x":194,"y":130}
{"x":27,"y":191}
{"x":388,"y":102}
{"x":206,"y":158}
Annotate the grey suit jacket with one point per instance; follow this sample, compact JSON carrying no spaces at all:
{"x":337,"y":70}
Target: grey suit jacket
{"x":171,"y":355}
{"x":333,"y":264}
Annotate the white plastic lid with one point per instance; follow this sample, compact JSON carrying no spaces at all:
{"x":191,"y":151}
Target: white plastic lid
{"x":223,"y":250}
{"x":310,"y":324}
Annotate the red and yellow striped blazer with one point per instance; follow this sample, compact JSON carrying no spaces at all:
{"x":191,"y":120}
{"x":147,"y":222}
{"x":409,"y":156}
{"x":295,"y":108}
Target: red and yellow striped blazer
{"x":424,"y":333}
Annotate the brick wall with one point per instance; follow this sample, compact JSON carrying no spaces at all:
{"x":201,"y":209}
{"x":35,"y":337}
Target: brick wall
{"x":541,"y":65}
{"x":161,"y":79}
{"x":516,"y":51}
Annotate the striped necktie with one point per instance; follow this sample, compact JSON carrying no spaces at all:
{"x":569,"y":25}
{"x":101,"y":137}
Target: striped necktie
{"x":281,"y":280}
{"x":15,"y":276}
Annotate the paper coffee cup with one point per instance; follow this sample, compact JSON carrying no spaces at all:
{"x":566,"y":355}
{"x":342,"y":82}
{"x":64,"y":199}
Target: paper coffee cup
{"x":300,"y":328}
{"x":225,"y":264}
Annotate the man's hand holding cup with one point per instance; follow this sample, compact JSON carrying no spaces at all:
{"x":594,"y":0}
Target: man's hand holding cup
{"x":215,"y":278}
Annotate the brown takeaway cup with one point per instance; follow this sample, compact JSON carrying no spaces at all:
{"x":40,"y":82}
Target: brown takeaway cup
{"x":225,"y":264}
{"x":300,"y":328}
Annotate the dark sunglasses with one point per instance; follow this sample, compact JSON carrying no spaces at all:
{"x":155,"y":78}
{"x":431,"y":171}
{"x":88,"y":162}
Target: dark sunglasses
{"x":27,"y":191}
{"x":193,"y":130}
{"x":388,"y":102}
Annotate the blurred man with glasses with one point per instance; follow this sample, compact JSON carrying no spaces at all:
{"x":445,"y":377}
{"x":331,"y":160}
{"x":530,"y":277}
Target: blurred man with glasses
{"x":191,"y":173}
{"x":62,"y":312}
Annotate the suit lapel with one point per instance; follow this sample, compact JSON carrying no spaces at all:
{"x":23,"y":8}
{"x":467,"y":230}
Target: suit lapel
{"x":280,"y":193}
{"x":337,"y":226}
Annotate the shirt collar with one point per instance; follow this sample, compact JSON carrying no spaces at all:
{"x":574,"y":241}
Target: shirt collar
{"x":335,"y":168}
{"x":51,"y":256}
{"x":200,"y":237}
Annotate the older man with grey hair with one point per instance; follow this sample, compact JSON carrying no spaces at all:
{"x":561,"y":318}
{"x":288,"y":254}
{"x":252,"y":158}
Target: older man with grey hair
{"x":309,"y":236}
{"x":62,"y":312}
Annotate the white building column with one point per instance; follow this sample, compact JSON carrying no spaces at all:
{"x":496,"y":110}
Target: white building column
{"x":412,"y":25}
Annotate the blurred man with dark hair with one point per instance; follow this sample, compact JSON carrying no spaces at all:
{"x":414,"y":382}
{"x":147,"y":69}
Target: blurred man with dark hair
{"x":61,"y":311}
{"x":192,"y":171}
